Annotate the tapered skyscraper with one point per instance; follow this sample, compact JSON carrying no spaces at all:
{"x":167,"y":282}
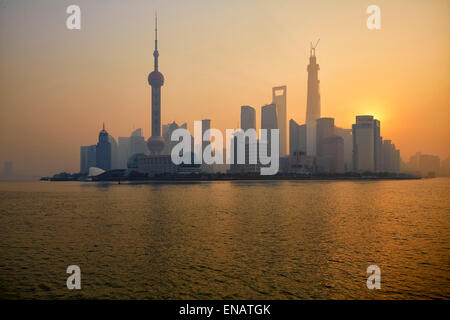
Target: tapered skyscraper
{"x":312,"y":103}
{"x":155,"y":79}
{"x":279,"y":98}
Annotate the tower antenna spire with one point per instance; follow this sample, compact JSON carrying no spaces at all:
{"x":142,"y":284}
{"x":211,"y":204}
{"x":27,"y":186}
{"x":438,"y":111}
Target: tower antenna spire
{"x":313,"y":48}
{"x":156,"y":29}
{"x":156,"y":53}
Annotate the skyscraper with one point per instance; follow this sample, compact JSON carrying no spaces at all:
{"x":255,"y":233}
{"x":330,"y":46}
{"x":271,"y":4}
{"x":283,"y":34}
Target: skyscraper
{"x":269,"y":117}
{"x":428,"y":165}
{"x":250,"y":152}
{"x":206,"y":138}
{"x":87,"y":158}
{"x":168,"y":129}
{"x":391,"y":157}
{"x":124,"y":151}
{"x":250,"y":148}
{"x":346,"y":135}
{"x":368,"y":155}
{"x":312,"y":103}
{"x":103,"y":150}
{"x":329,"y":147}
{"x":248,"y":118}
{"x":377,"y":144}
{"x":269,"y":121}
{"x":332,"y":150}
{"x":156,"y":80}
{"x":397,"y":161}
{"x":114,"y":152}
{"x":365,"y":136}
{"x":388,"y":155}
{"x":297,"y":137}
{"x":206,"y":141}
{"x":137,"y":142}
{"x":279,"y":99}
{"x":324,"y":129}
{"x":129,"y":146}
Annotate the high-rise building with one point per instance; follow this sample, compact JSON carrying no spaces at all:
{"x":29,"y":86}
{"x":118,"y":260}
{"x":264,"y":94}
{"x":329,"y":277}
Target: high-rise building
{"x":129,"y":146}
{"x":87,"y":158}
{"x":114,"y":152}
{"x":376,"y":155}
{"x":297,"y":137}
{"x":103,"y":151}
{"x":279,"y":99}
{"x":414,"y":162}
{"x":124,"y":151}
{"x":298,"y":162}
{"x":331,"y":159}
{"x":397,"y":161}
{"x":329,"y":147}
{"x":269,"y":117}
{"x":324,"y":129}
{"x":248,"y":118}
{"x":156,"y":80}
{"x":363,"y":144}
{"x":370,"y":152}
{"x":269,"y":121}
{"x":377,"y":144}
{"x":206,"y":138}
{"x":137,"y":142}
{"x":250,"y":149}
{"x":250,"y":146}
{"x":168,"y":129}
{"x":388,"y":150}
{"x":206,"y":141}
{"x":390,"y":157}
{"x":346,"y":135}
{"x":312,"y":103}
{"x":425,"y":164}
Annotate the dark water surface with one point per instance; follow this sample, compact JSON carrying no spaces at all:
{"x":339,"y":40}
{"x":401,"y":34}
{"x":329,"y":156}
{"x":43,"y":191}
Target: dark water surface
{"x":226,"y":240}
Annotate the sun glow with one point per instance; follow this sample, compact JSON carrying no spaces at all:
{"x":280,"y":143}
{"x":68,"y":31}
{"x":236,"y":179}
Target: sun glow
{"x":376,"y":109}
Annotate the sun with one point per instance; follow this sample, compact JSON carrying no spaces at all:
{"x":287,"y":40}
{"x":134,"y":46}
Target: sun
{"x":378,"y":110}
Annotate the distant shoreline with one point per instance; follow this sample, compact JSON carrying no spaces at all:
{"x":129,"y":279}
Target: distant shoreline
{"x":265,"y":179}
{"x":247,"y":178}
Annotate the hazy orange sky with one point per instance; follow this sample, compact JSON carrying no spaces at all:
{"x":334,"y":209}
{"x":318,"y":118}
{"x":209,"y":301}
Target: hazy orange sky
{"x":57,"y":86}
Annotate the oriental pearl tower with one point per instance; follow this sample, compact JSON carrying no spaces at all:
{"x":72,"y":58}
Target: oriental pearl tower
{"x":155,"y":79}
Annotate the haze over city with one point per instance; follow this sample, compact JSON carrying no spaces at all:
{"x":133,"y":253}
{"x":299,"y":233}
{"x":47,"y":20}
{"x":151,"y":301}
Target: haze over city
{"x":57,"y":86}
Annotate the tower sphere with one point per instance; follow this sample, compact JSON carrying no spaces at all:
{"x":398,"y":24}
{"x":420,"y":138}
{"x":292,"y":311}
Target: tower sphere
{"x":155,"y":78}
{"x":156,"y":144}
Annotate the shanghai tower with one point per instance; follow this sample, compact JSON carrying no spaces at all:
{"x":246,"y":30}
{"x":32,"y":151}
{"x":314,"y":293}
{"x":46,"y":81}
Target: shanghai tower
{"x":155,"y":79}
{"x":312,"y":102}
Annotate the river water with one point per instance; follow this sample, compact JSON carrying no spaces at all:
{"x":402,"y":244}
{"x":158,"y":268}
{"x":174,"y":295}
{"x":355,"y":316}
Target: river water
{"x":226,"y":240}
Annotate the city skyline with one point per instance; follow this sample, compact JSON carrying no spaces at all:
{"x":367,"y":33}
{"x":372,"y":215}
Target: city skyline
{"x":428,"y":136}
{"x":207,"y":153}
